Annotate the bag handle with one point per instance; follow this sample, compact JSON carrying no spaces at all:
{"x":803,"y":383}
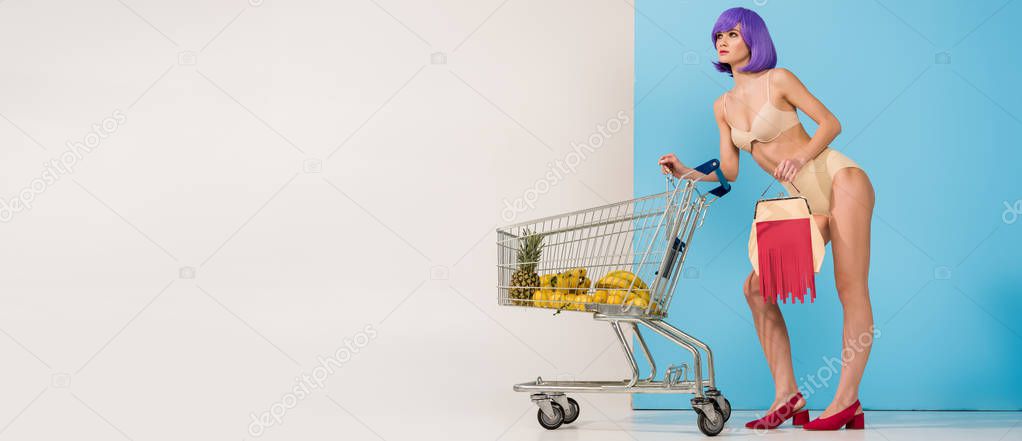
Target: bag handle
{"x":755,"y":212}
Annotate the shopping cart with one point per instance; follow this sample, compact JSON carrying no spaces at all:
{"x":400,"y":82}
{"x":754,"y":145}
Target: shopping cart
{"x":644,"y":239}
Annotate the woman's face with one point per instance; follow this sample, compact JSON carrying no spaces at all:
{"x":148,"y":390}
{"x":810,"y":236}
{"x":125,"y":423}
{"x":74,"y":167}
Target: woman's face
{"x":731,"y":48}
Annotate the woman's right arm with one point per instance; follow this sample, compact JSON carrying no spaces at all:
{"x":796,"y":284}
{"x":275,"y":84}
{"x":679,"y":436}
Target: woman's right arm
{"x":728,"y":152}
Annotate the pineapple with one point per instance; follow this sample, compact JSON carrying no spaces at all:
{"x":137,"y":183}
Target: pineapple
{"x":525,"y":280}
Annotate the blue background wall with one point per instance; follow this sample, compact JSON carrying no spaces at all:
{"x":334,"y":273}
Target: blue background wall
{"x":941,"y":143}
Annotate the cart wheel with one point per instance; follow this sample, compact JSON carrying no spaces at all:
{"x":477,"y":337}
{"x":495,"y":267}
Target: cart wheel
{"x":571,"y":414}
{"x":707,"y":427}
{"x":725,"y":408}
{"x":551,"y":423}
{"x":722,"y":403}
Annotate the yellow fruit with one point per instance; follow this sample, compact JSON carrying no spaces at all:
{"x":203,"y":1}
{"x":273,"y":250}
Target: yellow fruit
{"x":549,"y":299}
{"x":639,"y":302}
{"x":616,"y":283}
{"x":624,"y":280}
{"x":556,"y":300}
{"x":629,"y":276}
{"x":583,"y":285}
{"x":621,"y":281}
{"x":599,"y":297}
{"x":569,"y":299}
{"x":564,"y":281}
{"x":636,"y":295}
{"x":575,"y":302}
{"x":537,"y":298}
{"x":547,"y":280}
{"x":644,"y":293}
{"x":609,"y":281}
{"x":614,"y":299}
{"x":571,"y":281}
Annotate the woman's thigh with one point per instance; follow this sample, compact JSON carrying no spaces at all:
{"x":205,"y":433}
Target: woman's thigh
{"x":852,"y":202}
{"x":823,"y":222}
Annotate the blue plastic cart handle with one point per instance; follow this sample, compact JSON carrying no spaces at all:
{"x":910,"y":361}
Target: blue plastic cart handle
{"x":713,"y":166}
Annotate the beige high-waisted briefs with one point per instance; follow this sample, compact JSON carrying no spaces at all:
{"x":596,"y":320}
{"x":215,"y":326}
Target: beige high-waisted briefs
{"x":815,"y":179}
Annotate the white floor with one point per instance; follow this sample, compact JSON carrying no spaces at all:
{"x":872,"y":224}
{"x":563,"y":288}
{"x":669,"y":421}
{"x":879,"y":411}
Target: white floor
{"x":602,"y":420}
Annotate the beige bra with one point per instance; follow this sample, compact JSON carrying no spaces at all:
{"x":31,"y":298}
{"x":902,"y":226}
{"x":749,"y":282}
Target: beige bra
{"x":768,"y":124}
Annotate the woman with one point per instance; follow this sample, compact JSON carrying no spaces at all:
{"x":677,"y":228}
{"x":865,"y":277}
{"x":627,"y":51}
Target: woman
{"x":759,"y":115}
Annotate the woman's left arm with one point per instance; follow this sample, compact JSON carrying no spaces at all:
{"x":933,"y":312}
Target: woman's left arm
{"x":796,"y":93}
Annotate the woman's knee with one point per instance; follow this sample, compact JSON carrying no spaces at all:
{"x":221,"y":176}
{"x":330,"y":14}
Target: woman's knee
{"x":751,"y":287}
{"x":851,"y":288}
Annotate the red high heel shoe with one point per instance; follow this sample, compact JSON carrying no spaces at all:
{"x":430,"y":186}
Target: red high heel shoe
{"x":846,"y":418}
{"x":779,"y":416}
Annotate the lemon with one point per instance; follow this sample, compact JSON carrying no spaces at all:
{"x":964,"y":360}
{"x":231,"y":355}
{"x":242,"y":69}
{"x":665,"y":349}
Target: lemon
{"x":556,"y":300}
{"x":644,"y":293}
{"x":578,"y":302}
{"x":590,"y":298}
{"x":569,"y":301}
{"x":539,"y":298}
{"x":639,"y":302}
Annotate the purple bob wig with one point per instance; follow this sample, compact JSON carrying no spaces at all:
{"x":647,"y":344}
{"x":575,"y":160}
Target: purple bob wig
{"x":754,"y":33}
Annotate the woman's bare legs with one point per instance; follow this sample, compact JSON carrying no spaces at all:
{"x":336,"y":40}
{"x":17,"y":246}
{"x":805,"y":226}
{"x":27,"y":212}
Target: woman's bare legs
{"x":852,"y":201}
{"x":773,"y":335}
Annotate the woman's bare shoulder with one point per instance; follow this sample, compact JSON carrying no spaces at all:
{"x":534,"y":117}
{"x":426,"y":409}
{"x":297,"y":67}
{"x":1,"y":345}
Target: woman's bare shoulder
{"x":718,"y":105}
{"x":782,"y":72}
{"x":783,"y":78}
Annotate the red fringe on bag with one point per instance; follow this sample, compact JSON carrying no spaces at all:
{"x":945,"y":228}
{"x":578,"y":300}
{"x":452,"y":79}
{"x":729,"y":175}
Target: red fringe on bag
{"x":785,"y":260}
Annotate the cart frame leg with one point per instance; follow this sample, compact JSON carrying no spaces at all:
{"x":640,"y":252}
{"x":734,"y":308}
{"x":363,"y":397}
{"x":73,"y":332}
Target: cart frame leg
{"x":645,"y":350}
{"x":694,"y":341}
{"x":683,"y":340}
{"x":629,"y":356}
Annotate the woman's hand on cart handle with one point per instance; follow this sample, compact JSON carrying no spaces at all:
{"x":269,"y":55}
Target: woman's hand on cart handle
{"x":707,"y":171}
{"x":671,"y":165}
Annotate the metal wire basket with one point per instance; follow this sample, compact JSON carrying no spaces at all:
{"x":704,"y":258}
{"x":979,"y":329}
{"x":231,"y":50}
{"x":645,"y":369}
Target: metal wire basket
{"x":606,"y":253}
